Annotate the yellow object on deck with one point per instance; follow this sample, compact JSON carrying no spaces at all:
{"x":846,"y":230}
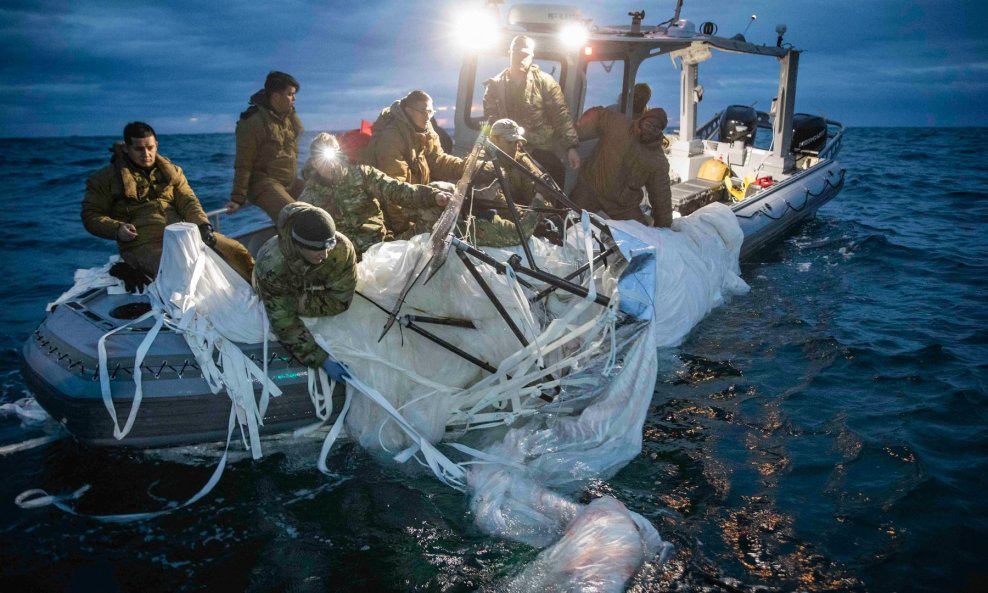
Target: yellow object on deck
{"x":738,"y":194}
{"x":713,"y":170}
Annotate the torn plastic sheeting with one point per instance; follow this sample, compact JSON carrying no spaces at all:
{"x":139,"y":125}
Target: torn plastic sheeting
{"x":637,"y":282}
{"x":600,"y":550}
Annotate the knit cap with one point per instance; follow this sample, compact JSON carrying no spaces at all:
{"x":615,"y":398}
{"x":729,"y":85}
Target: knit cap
{"x":313,"y":228}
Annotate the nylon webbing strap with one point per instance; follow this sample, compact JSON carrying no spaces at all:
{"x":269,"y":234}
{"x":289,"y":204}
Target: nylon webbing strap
{"x":37,"y":498}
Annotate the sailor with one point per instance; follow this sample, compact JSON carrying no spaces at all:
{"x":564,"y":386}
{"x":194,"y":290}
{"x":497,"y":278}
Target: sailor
{"x":136,"y":196}
{"x":493,"y":225}
{"x":640,"y":96}
{"x":406,"y":146}
{"x":267,"y":148}
{"x":308,"y":270}
{"x":627,"y":157}
{"x":525,"y":94}
{"x":355,"y":195}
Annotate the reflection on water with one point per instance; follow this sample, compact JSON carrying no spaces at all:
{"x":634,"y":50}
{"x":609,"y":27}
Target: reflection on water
{"x":823,"y":433}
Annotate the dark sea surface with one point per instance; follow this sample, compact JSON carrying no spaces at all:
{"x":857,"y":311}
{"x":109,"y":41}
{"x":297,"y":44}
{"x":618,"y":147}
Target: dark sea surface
{"x":826,"y":432}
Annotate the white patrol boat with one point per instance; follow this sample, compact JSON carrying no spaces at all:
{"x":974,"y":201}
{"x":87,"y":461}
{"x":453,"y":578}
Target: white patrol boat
{"x":775,"y":169}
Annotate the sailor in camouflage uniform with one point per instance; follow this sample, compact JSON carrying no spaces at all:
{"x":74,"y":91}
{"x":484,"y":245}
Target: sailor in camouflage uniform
{"x":357,"y":196}
{"x":308,"y":270}
{"x":533,"y":98}
{"x":493,"y":226}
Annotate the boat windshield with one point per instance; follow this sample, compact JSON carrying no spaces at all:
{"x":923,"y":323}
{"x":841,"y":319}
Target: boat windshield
{"x":605,"y":80}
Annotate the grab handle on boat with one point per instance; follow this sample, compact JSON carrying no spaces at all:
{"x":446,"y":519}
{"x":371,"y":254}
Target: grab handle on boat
{"x":215,"y":213}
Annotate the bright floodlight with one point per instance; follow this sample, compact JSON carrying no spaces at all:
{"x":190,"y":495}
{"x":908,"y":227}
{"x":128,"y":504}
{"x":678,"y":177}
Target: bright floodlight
{"x":476,"y":30}
{"x":573,"y":35}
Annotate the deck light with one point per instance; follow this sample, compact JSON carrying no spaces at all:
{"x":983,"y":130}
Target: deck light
{"x":573,"y":35}
{"x":477,"y":30}
{"x":588,"y":51}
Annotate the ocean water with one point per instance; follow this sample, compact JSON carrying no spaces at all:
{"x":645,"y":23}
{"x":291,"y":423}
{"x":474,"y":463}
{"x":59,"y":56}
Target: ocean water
{"x":825,"y":432}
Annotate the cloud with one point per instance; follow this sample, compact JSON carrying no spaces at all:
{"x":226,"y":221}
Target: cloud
{"x":85,"y":67}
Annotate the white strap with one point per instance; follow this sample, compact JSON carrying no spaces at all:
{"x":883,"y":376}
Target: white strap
{"x":334,"y":432}
{"x":36,"y":497}
{"x":104,"y":374}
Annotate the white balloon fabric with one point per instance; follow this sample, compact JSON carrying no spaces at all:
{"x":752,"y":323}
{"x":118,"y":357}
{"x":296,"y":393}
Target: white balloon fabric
{"x":563,"y":398}
{"x":602,"y":374}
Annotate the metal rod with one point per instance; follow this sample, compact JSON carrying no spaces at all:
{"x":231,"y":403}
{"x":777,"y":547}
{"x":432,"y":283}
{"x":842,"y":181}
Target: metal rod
{"x":217,"y":214}
{"x":442,"y":321}
{"x":543,"y":276}
{"x":441,"y":342}
{"x":545,"y":182}
{"x":545,"y":291}
{"x":436,"y":339}
{"x":491,"y":296}
{"x":511,"y":203}
{"x":562,"y":284}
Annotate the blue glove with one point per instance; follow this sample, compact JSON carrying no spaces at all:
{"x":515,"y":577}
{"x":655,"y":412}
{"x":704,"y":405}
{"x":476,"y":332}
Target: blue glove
{"x":336,"y":369}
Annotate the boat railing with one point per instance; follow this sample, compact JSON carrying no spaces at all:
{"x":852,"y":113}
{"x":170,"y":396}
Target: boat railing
{"x":832,"y":148}
{"x":706,"y":131}
{"x":214,"y":217}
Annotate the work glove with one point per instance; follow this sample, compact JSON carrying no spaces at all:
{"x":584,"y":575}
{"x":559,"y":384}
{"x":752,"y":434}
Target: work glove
{"x":206,"y":232}
{"x":336,"y":369}
{"x":487,"y":215}
{"x":134,"y":280}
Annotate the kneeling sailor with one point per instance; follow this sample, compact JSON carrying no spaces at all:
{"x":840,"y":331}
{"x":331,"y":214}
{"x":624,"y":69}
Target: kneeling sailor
{"x":307,"y":270}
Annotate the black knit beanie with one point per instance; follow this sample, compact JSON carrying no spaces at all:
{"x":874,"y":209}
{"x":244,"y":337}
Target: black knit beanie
{"x":313,"y":228}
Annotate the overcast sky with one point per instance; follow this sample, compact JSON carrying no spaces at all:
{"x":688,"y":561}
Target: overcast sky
{"x":76,"y":67}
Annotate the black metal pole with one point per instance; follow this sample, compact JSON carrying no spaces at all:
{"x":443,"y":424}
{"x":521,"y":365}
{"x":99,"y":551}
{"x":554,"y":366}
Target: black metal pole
{"x":544,"y":181}
{"x":545,"y":291}
{"x":461,"y":353}
{"x":491,"y":296}
{"x":436,"y":339}
{"x":543,"y":276}
{"x":442,"y":321}
{"x":511,"y":203}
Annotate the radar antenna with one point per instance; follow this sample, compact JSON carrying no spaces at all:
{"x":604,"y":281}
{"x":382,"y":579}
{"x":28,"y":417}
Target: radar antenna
{"x":675,"y":17}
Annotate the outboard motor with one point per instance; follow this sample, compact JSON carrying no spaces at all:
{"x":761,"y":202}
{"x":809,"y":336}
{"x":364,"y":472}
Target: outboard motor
{"x":809,"y":133}
{"x":738,"y":122}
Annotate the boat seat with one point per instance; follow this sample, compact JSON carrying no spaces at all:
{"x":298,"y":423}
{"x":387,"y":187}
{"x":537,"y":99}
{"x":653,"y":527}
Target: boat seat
{"x":693,"y":194}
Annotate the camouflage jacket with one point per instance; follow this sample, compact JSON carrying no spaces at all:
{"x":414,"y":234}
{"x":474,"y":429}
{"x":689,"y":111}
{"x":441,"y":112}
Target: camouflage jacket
{"x":612,"y":177}
{"x":523,"y":188}
{"x":122,"y":193}
{"x":501,"y":231}
{"x":543,"y":111}
{"x":488,"y":194}
{"x":358,"y":201}
{"x":291,"y":287}
{"x":267,"y":146}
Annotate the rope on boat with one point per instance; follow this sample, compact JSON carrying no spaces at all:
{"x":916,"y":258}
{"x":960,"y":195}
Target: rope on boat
{"x":766,"y":208}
